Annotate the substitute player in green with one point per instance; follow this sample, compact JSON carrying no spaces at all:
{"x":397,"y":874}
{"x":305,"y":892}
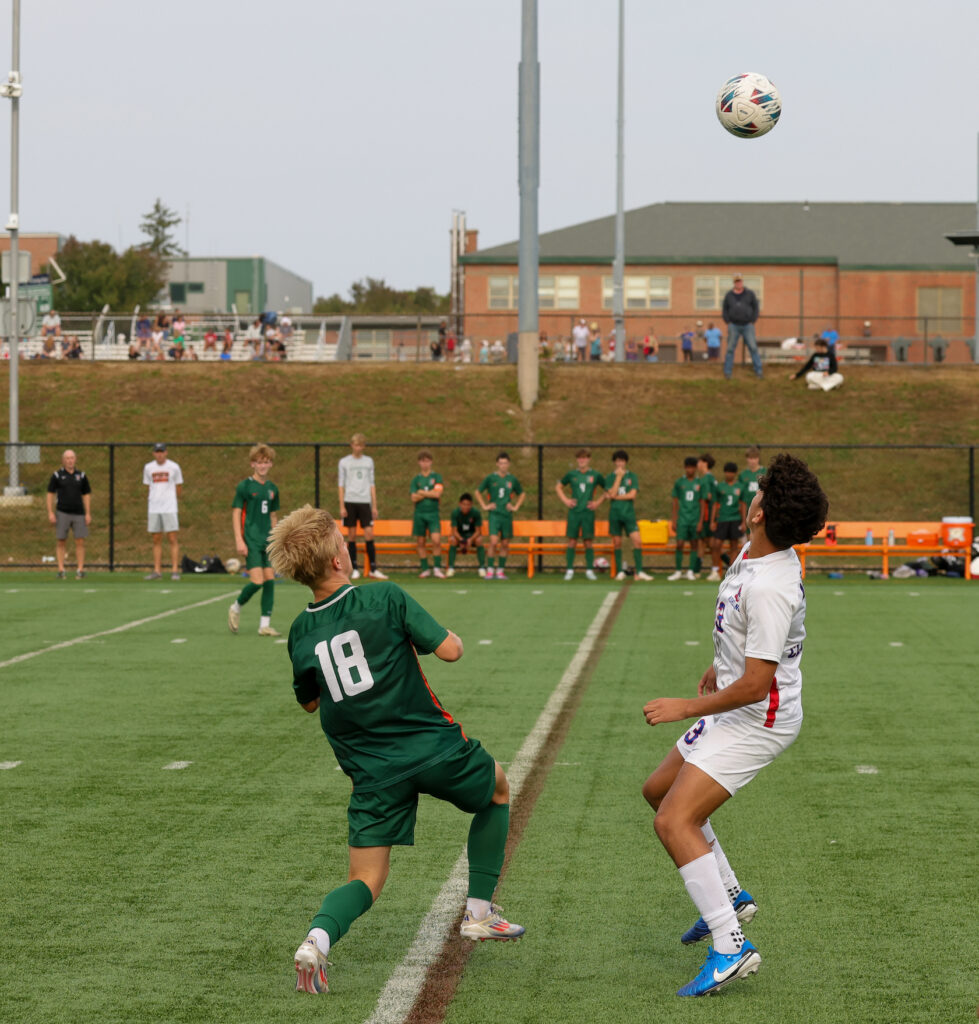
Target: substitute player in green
{"x":727,"y":523}
{"x":749,"y":477}
{"x":354,"y":654}
{"x":253,"y":514}
{"x":426,"y":490}
{"x":501,"y":495}
{"x":621,"y":489}
{"x":686,"y":517}
{"x":583,"y":483}
{"x":466,"y":522}
{"x":708,"y":484}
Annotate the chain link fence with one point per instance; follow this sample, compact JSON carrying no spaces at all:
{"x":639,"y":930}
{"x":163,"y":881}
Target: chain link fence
{"x":864,"y":482}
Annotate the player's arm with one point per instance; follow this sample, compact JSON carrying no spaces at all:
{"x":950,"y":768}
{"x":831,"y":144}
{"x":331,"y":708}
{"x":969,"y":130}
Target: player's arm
{"x":342,"y":506}
{"x":450,"y":649}
{"x":514,"y":505}
{"x":485,"y":505}
{"x":49,"y":497}
{"x":749,"y":689}
{"x":87,"y":504}
{"x":240,"y":546}
{"x":373,"y":501}
{"x":674,"y":513}
{"x":565,"y":500}
{"x":435,"y":492}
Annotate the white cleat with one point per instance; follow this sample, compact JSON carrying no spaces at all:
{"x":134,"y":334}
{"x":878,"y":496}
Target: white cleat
{"x":376,"y":574}
{"x":590,"y":574}
{"x":311,"y":969}
{"x":492,"y":927}
{"x":449,"y":573}
{"x":621,"y":575}
{"x":234,"y":617}
{"x":268,"y":631}
{"x":569,"y":575}
{"x":424,"y":574}
{"x":355,"y":574}
{"x":674,"y":576}
{"x":714,"y":577}
{"x":691,"y":575}
{"x":438,"y":574}
{"x":481,"y":571}
{"x":643,"y":576}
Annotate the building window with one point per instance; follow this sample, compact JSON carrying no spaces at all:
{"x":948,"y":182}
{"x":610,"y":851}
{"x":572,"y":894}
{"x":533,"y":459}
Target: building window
{"x":709,"y":291}
{"x":939,"y":310}
{"x":178,"y":292}
{"x":503,"y":292}
{"x":372,"y":344}
{"x":643,"y":292}
{"x":558,"y":291}
{"x":195,"y":287}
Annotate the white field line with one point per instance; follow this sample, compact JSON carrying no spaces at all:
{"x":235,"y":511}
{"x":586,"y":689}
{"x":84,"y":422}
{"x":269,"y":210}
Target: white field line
{"x":399,"y":994}
{"x":108,"y":632}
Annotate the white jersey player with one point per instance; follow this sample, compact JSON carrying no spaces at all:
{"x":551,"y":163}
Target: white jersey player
{"x":749,"y":709}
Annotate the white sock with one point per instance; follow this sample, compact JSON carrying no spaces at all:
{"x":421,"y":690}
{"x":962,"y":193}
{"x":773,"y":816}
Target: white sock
{"x":321,"y":938}
{"x":236,"y":607}
{"x":264,"y":621}
{"x":727,"y":874}
{"x":703,"y":882}
{"x":478,"y":910}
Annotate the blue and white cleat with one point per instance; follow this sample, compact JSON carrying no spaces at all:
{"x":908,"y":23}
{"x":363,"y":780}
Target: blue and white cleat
{"x":494,"y":926}
{"x":744,"y":906}
{"x":311,"y":969}
{"x":721,"y":969}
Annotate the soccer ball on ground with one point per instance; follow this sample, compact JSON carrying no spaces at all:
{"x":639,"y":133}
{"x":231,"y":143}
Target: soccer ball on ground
{"x":601,"y":564}
{"x":233,"y":565}
{"x":748,"y":105}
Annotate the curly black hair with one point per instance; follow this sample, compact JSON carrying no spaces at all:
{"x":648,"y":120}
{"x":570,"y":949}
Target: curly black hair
{"x":794,"y":504}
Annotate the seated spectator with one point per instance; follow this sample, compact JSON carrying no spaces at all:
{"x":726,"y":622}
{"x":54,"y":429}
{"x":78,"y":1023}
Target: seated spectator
{"x":73,"y":349}
{"x":484,"y":352}
{"x":466,"y":350}
{"x":286,"y":330}
{"x":191,"y":354}
{"x":155,"y":350}
{"x":210,"y":340}
{"x":135,"y":351}
{"x":650,"y":347}
{"x":276,"y":348}
{"x":631,"y":351}
{"x":143,"y":329}
{"x":497,"y":351}
{"x":821,"y":369}
{"x":50,"y":348}
{"x":176,"y":350}
{"x":51,"y":325}
{"x":227,"y":344}
{"x":179,"y":324}
{"x":163,"y":325}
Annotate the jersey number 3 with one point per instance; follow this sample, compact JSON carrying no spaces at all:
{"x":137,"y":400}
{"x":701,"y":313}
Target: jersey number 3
{"x":344,"y":665}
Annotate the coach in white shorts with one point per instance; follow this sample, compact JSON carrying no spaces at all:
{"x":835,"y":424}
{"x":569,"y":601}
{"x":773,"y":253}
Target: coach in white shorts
{"x":749,"y":709}
{"x":165,"y":482}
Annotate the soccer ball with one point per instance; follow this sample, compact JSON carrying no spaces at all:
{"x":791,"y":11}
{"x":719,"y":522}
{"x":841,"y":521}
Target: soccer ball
{"x":748,"y":105}
{"x":601,"y":564}
{"x":233,"y":565}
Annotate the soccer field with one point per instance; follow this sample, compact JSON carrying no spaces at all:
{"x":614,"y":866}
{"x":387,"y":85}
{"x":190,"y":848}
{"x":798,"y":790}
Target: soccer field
{"x":171,"y":819}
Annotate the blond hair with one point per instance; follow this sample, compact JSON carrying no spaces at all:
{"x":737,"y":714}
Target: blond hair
{"x":358,"y":439}
{"x":261,"y":452}
{"x":303,"y":545}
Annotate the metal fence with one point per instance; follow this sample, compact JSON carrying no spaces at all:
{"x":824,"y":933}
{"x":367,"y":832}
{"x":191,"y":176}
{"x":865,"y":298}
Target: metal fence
{"x":864,"y":482}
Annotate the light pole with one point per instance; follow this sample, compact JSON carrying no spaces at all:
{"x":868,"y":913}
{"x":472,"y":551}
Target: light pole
{"x":618,"y":264}
{"x":528,"y":337}
{"x":12,"y":90}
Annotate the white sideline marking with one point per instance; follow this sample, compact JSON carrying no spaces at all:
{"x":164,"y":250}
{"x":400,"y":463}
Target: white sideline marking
{"x":402,"y":988}
{"x":179,"y":640}
{"x":688,"y":593}
{"x":13,"y":591}
{"x":896,"y":643}
{"x":116,"y":629}
{"x":7,"y":765}
{"x":534,"y":592}
{"x":282,"y":641}
{"x":911,"y":593}
{"x":462,"y":591}
{"x":485,"y":641}
{"x":176,"y":766}
{"x":838,"y":593}
{"x":90,"y":591}
{"x":866,"y":769}
{"x":692,"y":643}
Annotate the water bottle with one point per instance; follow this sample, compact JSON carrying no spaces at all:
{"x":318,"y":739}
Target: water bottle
{"x":890,"y":538}
{"x":869,"y":538}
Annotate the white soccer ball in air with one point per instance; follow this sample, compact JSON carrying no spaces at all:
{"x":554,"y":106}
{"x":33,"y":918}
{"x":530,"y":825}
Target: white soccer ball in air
{"x":748,"y":105}
{"x":233,"y":565}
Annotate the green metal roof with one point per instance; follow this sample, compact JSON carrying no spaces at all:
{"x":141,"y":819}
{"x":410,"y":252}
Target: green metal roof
{"x":884,"y":235}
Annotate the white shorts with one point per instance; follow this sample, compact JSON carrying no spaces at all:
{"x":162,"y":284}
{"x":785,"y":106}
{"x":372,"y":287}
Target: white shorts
{"x":162,"y":522}
{"x":732,"y":751}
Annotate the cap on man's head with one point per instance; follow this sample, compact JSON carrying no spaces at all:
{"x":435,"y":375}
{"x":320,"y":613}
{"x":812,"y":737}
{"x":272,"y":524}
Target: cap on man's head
{"x":738,"y":277}
{"x":159,"y":447}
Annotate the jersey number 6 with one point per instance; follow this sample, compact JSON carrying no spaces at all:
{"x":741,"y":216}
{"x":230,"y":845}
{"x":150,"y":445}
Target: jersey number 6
{"x":346,"y":652}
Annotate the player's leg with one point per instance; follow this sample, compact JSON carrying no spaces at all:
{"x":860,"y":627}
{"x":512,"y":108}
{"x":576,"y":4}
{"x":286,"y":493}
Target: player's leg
{"x":504,"y":551}
{"x":79,"y":556}
{"x":268,"y":602}
{"x":59,"y":553}
{"x":748,"y":332}
{"x":256,"y":579}
{"x":157,"y":555}
{"x":374,"y":570}
{"x":494,"y":546}
{"x":732,"y":344}
{"x":480,"y":555}
{"x":453,"y":549}
{"x":437,"y":553}
{"x":174,"y":553}
{"x":677,"y":556}
{"x":715,"y":559}
{"x":351,"y":524}
{"x":574,"y":528}
{"x":636,"y":538}
{"x":421,"y":535}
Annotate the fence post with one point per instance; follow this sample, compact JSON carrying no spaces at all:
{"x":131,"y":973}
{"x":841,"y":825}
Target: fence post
{"x":316,"y":476}
{"x":540,"y":497}
{"x":112,"y":508}
{"x":972,"y":483}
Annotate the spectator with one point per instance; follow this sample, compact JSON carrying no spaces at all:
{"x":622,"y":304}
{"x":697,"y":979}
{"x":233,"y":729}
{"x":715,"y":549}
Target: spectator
{"x":686,"y":346}
{"x":740,"y":311}
{"x":450,"y":348}
{"x":74,"y":349}
{"x":50,"y":348}
{"x":177,"y":348}
{"x":466,"y":350}
{"x":484,"y":352}
{"x":497,"y":351}
{"x":650,"y":347}
{"x":163,"y":325}
{"x":69,"y":501}
{"x":51,"y":325}
{"x":831,"y":336}
{"x":227,"y":344}
{"x":822,"y":369}
{"x":579,"y":340}
{"x":179,"y":327}
{"x":156,"y":342}
{"x":277,"y":348}
{"x":192,"y":355}
{"x":631,"y":351}
{"x":134,"y":351}
{"x":166,"y":483}
{"x":713,"y":338}
{"x":435,"y":345}
{"x":210,"y":340}
{"x":286,"y":330}
{"x":143,"y":330}
{"x":559,"y":353}
{"x":595,"y":348}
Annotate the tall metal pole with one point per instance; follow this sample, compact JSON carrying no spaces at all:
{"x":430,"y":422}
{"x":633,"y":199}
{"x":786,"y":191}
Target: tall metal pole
{"x":528,"y":158}
{"x":975,"y":305}
{"x":618,"y":264}
{"x":12,"y":90}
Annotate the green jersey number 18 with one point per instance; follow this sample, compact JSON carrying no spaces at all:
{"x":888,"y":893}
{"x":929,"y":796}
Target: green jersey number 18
{"x":346,"y":651}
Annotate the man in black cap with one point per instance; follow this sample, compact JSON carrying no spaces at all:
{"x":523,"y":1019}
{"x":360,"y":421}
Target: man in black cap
{"x":69,"y":501}
{"x":740,"y":311}
{"x":165,"y":482}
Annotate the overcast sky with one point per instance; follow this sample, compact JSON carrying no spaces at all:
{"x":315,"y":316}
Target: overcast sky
{"x":337,"y":138}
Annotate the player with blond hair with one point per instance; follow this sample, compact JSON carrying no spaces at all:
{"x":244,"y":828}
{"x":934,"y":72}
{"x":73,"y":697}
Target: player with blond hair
{"x":253,"y":514}
{"x":354,"y":654}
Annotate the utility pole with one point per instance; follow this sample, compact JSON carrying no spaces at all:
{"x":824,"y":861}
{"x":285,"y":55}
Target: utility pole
{"x":618,"y":264}
{"x":528,"y":159}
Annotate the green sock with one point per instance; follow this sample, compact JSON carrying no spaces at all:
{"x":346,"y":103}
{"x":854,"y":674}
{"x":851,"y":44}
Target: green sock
{"x":569,"y":557}
{"x":341,"y":908}
{"x":481,"y":555}
{"x":678,"y":557}
{"x":437,"y":561}
{"x":695,"y":561}
{"x":637,"y":558}
{"x":589,"y":557}
{"x":248,"y":591}
{"x":423,"y":564}
{"x":501,"y":562}
{"x":268,"y":597}
{"x":452,"y":556}
{"x":486,"y":846}
{"x":617,"y":555}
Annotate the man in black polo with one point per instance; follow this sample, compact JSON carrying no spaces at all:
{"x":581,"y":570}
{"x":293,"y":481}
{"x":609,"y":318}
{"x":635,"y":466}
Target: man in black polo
{"x":70,"y":507}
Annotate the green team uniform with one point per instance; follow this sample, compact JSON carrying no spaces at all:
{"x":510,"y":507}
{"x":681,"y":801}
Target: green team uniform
{"x":356,"y":651}
{"x":688,"y":495}
{"x":708,"y":493}
{"x":728,"y":501}
{"x":257,"y":503}
{"x":466,"y":525}
{"x":749,"y":483}
{"x":622,"y":514}
{"x":501,"y":489}
{"x":581,"y":518}
{"x":426,"y":515}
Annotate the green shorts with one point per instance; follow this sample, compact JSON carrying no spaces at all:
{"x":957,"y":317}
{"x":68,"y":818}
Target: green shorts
{"x":687,"y":531}
{"x":386,"y":816}
{"x":501,"y":524}
{"x":582,"y":522}
{"x":623,"y":521}
{"x":257,"y":558}
{"x":425,"y":522}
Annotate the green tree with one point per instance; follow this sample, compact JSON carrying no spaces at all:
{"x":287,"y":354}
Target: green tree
{"x":96,"y":275}
{"x":374,"y":295}
{"x":158,"y":225}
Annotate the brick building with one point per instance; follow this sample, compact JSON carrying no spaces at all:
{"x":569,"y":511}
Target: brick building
{"x":882,"y":274}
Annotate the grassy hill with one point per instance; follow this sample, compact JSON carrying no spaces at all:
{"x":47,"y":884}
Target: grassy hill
{"x":691,"y":407}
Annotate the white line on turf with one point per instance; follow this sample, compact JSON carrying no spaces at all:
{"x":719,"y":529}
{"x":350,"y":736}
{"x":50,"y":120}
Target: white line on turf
{"x":7,"y":765}
{"x":116,"y":629}
{"x":179,"y":640}
{"x":176,"y":766}
{"x":402,"y":988}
